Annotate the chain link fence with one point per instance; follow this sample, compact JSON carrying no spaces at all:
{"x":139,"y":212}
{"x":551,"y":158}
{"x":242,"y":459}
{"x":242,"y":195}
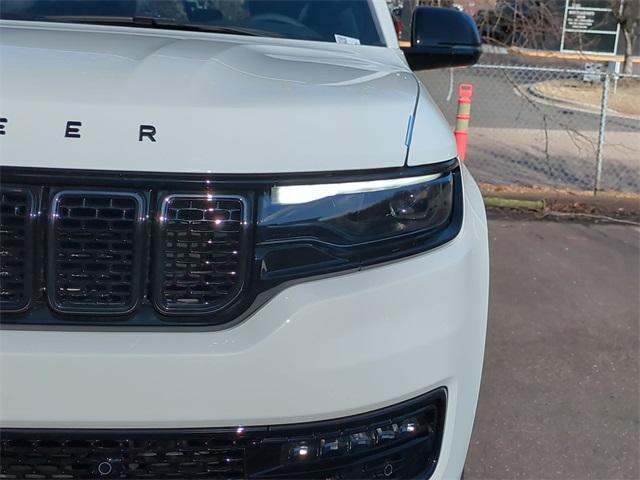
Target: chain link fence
{"x":559,"y":127}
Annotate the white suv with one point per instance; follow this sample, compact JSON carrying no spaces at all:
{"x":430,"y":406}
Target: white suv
{"x":236,"y":242}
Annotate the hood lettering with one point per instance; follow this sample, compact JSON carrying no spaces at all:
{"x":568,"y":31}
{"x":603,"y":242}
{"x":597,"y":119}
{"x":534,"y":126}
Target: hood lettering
{"x":147,"y":131}
{"x":72,"y":130}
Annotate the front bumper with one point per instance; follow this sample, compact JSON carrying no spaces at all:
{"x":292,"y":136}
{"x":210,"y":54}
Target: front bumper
{"x":401,"y":441}
{"x":325,"y":349}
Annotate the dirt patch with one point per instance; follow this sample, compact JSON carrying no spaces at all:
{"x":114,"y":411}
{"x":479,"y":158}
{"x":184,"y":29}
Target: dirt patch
{"x":624,"y":100}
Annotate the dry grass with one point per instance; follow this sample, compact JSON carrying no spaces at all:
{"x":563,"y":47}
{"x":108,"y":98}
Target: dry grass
{"x":571,"y":201}
{"x":545,"y":191}
{"x":626,"y":98}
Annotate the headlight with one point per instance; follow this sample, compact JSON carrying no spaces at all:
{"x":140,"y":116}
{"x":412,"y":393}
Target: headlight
{"x":316,"y":228}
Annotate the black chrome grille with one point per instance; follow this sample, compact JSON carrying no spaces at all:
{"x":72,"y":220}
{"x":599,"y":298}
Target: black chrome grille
{"x":95,"y":249}
{"x":113,"y":457}
{"x":200,"y":242}
{"x":16,"y":245}
{"x":123,"y":255}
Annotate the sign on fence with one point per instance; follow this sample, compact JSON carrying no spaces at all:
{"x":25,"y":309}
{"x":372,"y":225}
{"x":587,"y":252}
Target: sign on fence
{"x":593,"y":72}
{"x":589,"y":27}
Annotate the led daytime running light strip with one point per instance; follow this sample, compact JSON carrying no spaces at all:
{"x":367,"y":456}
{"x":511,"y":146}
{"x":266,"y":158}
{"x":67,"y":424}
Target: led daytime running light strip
{"x":297,"y":194}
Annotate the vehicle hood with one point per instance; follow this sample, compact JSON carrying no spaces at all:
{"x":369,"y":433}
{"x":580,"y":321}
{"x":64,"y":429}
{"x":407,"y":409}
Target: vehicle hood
{"x":217,"y":103}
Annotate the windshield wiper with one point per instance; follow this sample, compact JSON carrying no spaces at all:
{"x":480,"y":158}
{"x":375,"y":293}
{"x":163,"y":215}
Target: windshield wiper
{"x":147,"y":22}
{"x":171,"y":25}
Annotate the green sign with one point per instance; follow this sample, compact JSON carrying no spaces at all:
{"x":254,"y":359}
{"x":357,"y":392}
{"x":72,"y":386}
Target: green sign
{"x":589,"y":27}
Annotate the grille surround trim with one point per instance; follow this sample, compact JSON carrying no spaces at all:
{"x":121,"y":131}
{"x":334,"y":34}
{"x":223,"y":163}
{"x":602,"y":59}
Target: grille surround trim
{"x":29,"y":260}
{"x":139,"y":224}
{"x":159,"y":238}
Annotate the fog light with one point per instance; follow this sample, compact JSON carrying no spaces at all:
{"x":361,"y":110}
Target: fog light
{"x":387,"y":433}
{"x":334,"y":446}
{"x":397,"y":442}
{"x":409,"y":427}
{"x":360,"y":441}
{"x":302,"y":452}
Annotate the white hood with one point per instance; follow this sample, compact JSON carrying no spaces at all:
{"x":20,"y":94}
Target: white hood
{"x":218,"y":103}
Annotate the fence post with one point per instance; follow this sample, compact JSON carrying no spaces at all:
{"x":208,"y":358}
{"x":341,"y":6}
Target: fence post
{"x":603,"y":125}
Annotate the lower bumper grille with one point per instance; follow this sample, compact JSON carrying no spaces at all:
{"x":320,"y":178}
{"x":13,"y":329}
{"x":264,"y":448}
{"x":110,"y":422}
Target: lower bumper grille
{"x":114,"y":457}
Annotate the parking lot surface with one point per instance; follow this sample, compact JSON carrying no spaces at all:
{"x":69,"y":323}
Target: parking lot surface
{"x":560,"y":391}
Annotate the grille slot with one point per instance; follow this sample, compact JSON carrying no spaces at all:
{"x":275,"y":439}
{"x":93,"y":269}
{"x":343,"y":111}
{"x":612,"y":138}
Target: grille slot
{"x":16,"y":248}
{"x":201,"y":240}
{"x":95,"y":244}
{"x":116,"y":457}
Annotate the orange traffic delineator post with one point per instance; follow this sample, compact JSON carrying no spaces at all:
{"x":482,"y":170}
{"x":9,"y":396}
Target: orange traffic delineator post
{"x":465,"y":92}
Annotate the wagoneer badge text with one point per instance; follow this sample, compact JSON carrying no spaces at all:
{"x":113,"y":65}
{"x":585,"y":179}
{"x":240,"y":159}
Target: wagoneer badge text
{"x":72,"y":130}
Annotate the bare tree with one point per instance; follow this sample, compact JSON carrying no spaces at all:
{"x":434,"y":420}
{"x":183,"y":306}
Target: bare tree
{"x":437,"y":3}
{"x":627,"y":14}
{"x":522,"y":23}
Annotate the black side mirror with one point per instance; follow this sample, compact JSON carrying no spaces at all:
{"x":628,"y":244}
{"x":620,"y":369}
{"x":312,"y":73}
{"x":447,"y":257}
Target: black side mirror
{"x":442,"y":37}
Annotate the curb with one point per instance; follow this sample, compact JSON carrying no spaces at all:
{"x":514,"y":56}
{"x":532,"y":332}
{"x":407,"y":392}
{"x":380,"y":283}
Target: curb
{"x":559,"y":102}
{"x":583,"y":57}
{"x":515,"y":203}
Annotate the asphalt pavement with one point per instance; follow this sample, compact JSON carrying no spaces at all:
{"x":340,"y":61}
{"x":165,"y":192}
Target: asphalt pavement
{"x":560,"y":391}
{"x":517,"y":138}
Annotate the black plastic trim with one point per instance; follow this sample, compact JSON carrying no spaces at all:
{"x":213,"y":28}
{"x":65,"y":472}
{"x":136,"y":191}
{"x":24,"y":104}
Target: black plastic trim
{"x":241,"y":181}
{"x":317,"y":426}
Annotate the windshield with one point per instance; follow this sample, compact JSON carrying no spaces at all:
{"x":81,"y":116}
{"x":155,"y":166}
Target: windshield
{"x":338,"y":21}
